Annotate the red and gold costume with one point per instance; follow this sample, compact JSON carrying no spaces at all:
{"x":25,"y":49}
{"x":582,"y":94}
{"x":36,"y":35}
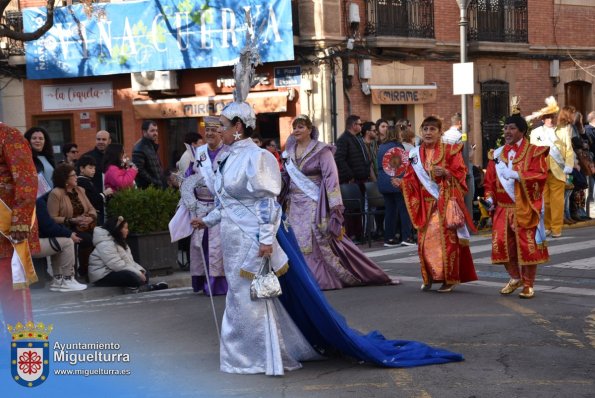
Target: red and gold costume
{"x":515,"y":222}
{"x":444,"y":257}
{"x":18,"y":191}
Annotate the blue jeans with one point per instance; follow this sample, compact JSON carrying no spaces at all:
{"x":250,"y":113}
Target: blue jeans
{"x":567,"y":194}
{"x":395,"y":212}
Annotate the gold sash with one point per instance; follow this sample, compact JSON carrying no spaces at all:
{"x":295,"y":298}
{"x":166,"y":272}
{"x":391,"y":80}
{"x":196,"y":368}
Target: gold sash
{"x":21,"y":248}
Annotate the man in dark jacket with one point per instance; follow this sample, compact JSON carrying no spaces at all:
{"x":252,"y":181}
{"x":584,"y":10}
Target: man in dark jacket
{"x":353,"y":164}
{"x":146,"y":159}
{"x":353,"y":161}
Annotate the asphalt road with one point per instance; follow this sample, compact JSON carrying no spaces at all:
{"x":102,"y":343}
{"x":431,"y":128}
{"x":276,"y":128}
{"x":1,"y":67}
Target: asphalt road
{"x":544,"y":347}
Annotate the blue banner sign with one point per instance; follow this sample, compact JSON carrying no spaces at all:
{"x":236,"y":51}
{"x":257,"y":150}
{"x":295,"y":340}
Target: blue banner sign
{"x":154,"y":35}
{"x":288,"y":76}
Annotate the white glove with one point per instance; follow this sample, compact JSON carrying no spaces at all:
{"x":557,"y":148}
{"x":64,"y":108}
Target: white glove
{"x":567,"y":170}
{"x":510,"y":174}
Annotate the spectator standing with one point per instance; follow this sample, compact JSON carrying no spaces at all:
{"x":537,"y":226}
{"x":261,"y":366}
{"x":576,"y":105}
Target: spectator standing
{"x":119,"y":171}
{"x":270,"y":145}
{"x":407,"y":134}
{"x":370,"y":138}
{"x":590,"y":133}
{"x":43,"y":157}
{"x":17,"y":194}
{"x":102,"y":140}
{"x":454,"y":134}
{"x":146,"y":158}
{"x":71,"y":153}
{"x":381,"y":130}
{"x":87,"y":170}
{"x":394,"y":202}
{"x":560,"y":160}
{"x":353,"y":165}
{"x":57,"y":242}
{"x":68,"y":205}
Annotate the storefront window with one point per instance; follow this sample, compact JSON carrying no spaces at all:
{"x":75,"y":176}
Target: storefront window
{"x":60,"y":131}
{"x":112,"y":122}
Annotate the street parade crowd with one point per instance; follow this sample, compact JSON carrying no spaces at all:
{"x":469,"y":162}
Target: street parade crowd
{"x":289,"y":229}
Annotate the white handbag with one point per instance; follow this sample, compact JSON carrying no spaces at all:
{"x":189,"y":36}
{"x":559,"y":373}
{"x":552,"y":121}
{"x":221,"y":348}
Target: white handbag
{"x":265,"y":284}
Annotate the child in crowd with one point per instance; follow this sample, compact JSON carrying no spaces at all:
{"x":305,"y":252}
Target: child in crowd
{"x":87,"y":168}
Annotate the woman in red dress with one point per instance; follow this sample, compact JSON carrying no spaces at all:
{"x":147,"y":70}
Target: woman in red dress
{"x":435,"y":174}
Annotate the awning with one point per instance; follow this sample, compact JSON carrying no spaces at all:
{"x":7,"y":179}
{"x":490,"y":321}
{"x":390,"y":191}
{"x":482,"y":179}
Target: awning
{"x":262,"y":102}
{"x":393,"y":94}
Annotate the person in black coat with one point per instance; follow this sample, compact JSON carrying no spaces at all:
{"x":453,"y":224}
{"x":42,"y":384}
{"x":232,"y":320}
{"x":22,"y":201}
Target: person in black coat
{"x":353,"y":160}
{"x":146,"y":159}
{"x":353,"y":164}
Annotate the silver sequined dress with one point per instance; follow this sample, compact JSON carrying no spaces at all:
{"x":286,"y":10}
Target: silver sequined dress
{"x":256,"y":336}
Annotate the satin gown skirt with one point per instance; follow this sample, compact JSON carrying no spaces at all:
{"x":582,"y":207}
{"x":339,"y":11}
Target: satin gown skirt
{"x":256,"y":336}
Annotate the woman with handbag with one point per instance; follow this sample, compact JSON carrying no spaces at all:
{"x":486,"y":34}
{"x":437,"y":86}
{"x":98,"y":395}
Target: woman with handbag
{"x":434,"y":187}
{"x":68,"y":205}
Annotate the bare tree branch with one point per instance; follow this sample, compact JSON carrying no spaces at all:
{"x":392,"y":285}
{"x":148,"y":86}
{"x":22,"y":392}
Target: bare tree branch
{"x":11,"y":33}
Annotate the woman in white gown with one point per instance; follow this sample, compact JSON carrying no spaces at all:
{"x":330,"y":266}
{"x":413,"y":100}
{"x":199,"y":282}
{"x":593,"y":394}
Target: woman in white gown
{"x":256,"y":336}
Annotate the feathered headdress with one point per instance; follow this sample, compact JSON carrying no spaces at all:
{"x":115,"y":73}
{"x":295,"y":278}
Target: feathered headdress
{"x":551,"y":108}
{"x":244,"y":73}
{"x":515,"y":116}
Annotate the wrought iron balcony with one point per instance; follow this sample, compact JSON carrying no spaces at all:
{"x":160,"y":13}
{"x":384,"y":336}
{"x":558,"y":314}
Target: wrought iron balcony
{"x":498,"y":21}
{"x":401,"y":18}
{"x":11,"y":47}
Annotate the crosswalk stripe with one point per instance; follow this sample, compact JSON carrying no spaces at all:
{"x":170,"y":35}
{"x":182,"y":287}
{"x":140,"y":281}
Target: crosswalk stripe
{"x":578,"y":291}
{"x":553,"y":250}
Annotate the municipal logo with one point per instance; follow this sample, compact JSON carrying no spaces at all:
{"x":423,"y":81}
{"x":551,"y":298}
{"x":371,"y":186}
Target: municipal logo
{"x":29,"y":353}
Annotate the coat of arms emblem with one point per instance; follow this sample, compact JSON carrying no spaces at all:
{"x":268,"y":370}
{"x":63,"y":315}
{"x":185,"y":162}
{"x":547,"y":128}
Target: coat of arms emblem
{"x":29,"y":353}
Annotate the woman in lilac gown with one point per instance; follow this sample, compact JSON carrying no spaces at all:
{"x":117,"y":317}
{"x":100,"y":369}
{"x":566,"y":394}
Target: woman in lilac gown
{"x":314,"y":208}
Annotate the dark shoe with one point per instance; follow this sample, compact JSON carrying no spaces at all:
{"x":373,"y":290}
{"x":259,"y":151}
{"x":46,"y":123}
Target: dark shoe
{"x":426,"y":288}
{"x":158,"y":286}
{"x":446,"y":288}
{"x":408,"y":242}
{"x":391,"y":243}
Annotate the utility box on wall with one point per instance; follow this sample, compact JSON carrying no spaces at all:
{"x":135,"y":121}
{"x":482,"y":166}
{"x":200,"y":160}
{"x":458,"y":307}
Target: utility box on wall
{"x":365,"y":69}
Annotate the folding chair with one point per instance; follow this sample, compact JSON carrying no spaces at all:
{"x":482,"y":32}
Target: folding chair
{"x":353,"y":200}
{"x":374,"y":206}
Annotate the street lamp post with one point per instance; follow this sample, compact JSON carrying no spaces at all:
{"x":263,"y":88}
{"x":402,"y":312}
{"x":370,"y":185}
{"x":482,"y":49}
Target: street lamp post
{"x":463,"y":22}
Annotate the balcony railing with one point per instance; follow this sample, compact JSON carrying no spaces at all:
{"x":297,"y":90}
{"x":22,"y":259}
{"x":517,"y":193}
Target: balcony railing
{"x":401,"y":18}
{"x":10,"y":47}
{"x":498,"y":21}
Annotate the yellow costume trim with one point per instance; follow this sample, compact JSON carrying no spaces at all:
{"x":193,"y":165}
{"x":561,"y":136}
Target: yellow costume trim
{"x":250,"y":275}
{"x":21,"y":248}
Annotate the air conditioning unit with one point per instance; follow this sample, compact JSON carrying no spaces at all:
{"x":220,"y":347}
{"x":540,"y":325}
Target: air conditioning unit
{"x":154,"y":80}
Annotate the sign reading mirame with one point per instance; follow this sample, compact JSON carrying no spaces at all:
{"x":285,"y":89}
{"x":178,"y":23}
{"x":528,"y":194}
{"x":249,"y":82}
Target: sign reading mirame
{"x":154,"y":35}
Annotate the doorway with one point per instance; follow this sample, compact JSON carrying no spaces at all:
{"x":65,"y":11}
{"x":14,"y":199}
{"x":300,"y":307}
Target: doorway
{"x":494,"y":108}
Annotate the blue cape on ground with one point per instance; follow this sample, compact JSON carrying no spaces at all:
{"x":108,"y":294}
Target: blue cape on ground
{"x":327,"y":330}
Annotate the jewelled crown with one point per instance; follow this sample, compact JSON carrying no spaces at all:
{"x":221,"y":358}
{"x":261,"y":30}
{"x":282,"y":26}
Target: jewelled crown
{"x":30,"y":331}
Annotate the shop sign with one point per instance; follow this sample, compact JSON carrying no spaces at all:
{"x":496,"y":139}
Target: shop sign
{"x":77,"y":96}
{"x":150,"y":35}
{"x":288,"y":76}
{"x":403,"y":95}
{"x":262,"y":102}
